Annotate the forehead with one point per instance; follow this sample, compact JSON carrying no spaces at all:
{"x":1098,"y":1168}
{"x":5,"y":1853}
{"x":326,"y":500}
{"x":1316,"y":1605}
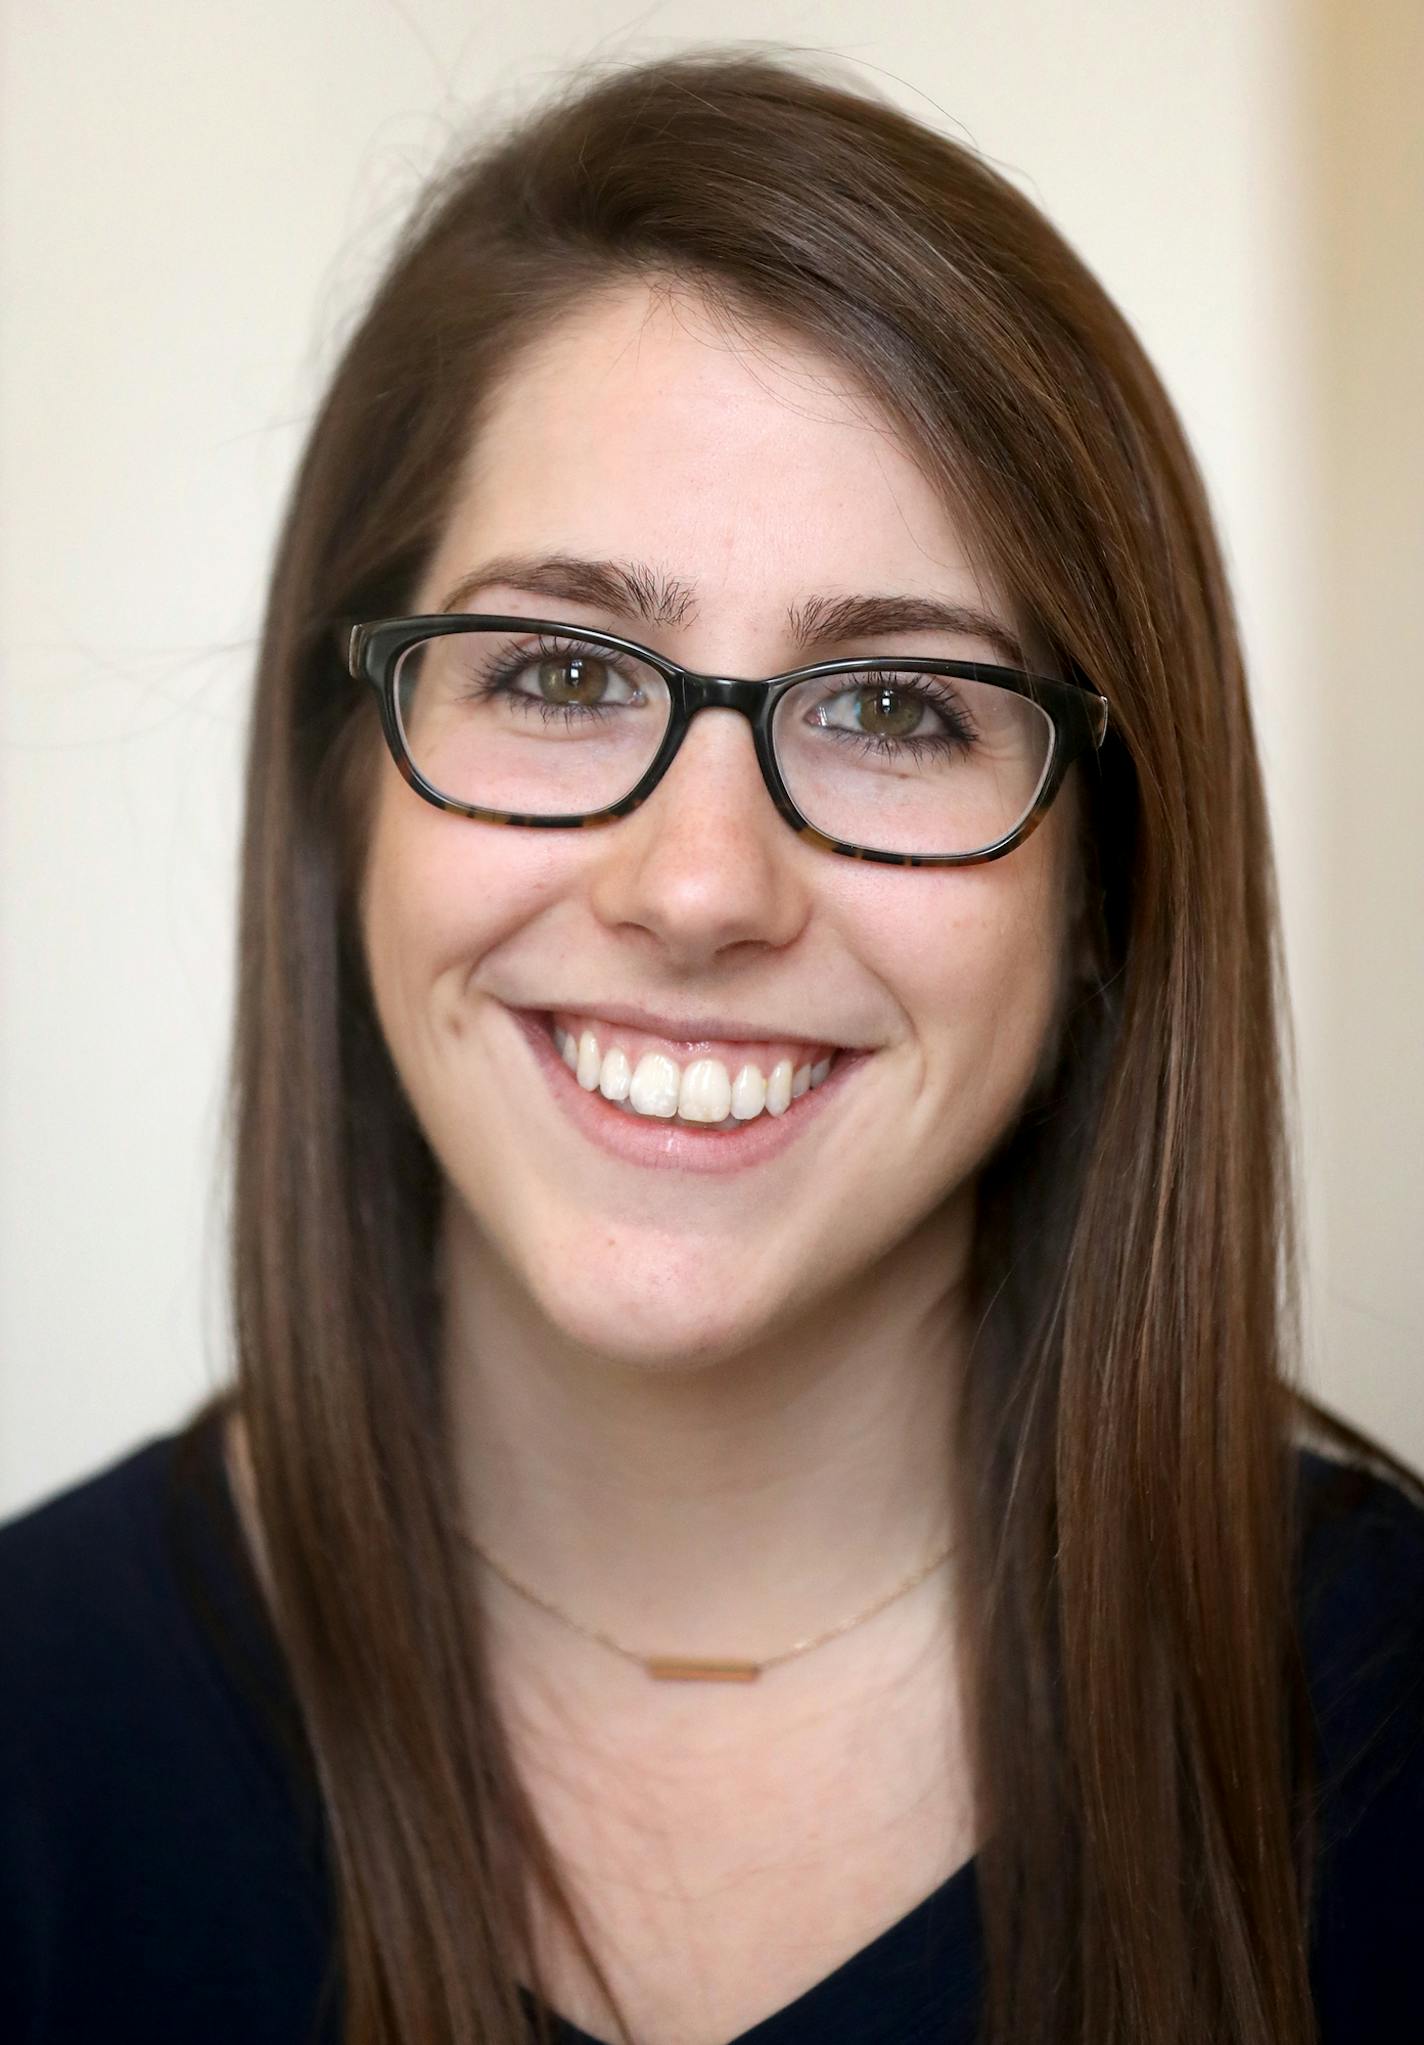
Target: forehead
{"x":742,"y":459}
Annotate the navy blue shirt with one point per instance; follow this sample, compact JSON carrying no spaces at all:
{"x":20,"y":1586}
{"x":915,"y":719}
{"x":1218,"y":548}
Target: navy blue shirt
{"x":161,"y":1847}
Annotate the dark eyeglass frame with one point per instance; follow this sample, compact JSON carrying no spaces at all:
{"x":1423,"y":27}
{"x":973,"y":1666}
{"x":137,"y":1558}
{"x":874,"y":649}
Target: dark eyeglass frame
{"x":1078,"y":714}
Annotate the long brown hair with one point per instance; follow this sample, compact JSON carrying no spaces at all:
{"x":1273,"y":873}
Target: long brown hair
{"x":1129,"y":1423}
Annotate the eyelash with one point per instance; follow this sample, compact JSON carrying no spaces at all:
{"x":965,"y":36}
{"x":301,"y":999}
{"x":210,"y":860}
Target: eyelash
{"x":922,"y":689}
{"x":501,"y":675}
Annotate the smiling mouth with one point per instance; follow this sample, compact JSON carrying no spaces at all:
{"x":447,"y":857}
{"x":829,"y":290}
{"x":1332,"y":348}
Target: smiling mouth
{"x":718,"y":1090}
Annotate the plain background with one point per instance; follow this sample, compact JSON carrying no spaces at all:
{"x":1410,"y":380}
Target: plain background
{"x":194,"y":196}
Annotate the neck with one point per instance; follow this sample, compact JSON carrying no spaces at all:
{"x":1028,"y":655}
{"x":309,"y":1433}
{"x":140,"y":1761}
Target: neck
{"x":729,"y":1504}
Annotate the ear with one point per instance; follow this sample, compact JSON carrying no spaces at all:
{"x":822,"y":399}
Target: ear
{"x":1085,"y":957}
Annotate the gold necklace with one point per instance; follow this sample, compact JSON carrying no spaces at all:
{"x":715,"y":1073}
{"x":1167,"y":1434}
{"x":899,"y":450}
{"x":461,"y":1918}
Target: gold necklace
{"x":686,"y":1669}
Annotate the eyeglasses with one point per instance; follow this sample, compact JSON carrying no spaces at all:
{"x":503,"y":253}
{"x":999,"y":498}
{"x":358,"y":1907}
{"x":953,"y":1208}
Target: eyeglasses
{"x":910,"y":760}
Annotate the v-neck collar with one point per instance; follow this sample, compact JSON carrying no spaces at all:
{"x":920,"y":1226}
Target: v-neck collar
{"x":903,"y":1988}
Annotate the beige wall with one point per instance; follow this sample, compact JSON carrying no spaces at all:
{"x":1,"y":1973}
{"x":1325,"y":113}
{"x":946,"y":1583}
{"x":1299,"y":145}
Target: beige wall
{"x":1367,"y":88}
{"x":192,"y":193}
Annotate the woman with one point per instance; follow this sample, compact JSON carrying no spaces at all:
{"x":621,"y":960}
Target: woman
{"x":763,"y":1483}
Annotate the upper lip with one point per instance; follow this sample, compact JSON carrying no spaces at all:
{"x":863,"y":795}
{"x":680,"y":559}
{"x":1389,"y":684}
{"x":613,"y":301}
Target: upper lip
{"x":682,"y":1029}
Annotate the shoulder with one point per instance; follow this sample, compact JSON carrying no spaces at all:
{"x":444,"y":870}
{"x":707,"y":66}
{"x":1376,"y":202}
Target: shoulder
{"x":1361,"y":1578}
{"x":107,"y":1514}
{"x":1362,"y":1631}
{"x":153,"y":1835}
{"x":124,"y":1616}
{"x":1342,"y":1494}
{"x":82,"y":1578}
{"x":109,"y":1685}
{"x":1357,"y":1522}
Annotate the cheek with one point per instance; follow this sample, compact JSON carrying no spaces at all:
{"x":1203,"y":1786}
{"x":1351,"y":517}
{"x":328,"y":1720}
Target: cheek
{"x":438,"y":894}
{"x":975,"y":960}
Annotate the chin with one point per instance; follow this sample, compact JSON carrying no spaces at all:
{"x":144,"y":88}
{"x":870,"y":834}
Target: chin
{"x":659,"y":1328}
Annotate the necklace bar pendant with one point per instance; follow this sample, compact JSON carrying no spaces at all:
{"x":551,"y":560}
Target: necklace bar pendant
{"x":677,"y":1669}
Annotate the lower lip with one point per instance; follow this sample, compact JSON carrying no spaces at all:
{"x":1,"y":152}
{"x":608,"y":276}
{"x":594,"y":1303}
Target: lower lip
{"x":668,"y":1144}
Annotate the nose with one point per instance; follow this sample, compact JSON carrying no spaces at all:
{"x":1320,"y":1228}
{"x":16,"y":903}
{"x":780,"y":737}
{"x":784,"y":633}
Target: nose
{"x":706,"y":863}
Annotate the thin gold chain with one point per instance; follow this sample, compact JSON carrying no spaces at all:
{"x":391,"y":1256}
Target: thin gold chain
{"x":685,"y":1668}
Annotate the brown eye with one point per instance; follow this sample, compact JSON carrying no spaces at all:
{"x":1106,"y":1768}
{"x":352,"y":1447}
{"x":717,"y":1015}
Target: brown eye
{"x":889,"y":713}
{"x":572,"y":678}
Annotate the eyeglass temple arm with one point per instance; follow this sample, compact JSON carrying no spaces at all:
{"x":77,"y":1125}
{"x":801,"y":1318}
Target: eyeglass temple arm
{"x":346,"y":636}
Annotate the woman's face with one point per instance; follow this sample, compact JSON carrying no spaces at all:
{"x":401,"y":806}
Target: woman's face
{"x":735,"y":482}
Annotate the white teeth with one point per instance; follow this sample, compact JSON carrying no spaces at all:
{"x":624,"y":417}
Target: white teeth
{"x":616,"y":1076}
{"x":706,"y":1092}
{"x":749,"y":1093}
{"x":656,"y":1085}
{"x":589,"y":1062}
{"x":778,"y":1088}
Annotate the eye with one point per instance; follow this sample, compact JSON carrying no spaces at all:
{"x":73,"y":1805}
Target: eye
{"x":582,"y":680}
{"x":894,"y":710}
{"x":884,"y":712}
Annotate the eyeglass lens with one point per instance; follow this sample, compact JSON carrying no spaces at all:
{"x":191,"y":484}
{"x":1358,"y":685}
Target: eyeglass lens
{"x":887,"y":760}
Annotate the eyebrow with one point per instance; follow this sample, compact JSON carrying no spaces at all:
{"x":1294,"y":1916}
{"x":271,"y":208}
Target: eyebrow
{"x":633,"y":589}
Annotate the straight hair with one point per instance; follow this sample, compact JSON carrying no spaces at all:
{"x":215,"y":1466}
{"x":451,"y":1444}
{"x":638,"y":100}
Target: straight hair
{"x":1126,"y":1454}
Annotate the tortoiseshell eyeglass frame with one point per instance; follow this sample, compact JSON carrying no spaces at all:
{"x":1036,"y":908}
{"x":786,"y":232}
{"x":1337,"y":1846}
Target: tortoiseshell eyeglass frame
{"x":1078,"y":714}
